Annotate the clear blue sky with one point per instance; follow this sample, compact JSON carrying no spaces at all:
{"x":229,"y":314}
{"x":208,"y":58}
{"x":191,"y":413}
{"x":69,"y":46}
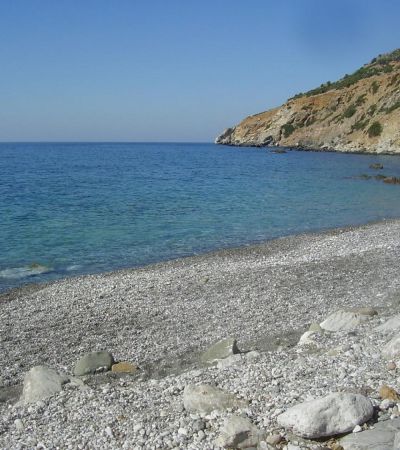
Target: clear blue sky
{"x":174,"y":70}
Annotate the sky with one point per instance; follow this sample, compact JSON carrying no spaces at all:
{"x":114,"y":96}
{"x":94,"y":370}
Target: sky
{"x":173,"y":70}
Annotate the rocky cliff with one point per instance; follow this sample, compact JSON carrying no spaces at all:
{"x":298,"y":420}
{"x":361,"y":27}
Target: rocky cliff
{"x":358,"y":113}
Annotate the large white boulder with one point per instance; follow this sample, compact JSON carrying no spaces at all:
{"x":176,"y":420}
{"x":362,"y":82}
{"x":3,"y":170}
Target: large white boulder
{"x":206,"y":398}
{"x":41,"y":382}
{"x":327,"y":416}
{"x":392,"y":349}
{"x":343,"y":320}
{"x":392,"y":324}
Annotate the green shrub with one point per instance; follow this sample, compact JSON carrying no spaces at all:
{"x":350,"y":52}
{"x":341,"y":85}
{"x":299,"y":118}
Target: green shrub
{"x":288,"y":129}
{"x":374,"y":87}
{"x":350,"y":111}
{"x":361,"y":99}
{"x":375,"y":129}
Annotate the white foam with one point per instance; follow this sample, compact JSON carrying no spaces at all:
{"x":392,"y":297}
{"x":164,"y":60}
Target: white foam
{"x":22,"y":272}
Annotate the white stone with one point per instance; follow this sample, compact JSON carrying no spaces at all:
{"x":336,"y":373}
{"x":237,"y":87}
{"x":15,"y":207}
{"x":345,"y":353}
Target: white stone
{"x":381,"y":437}
{"x":41,"y":382}
{"x":327,"y":416}
{"x":392,"y":349}
{"x":238,"y":432}
{"x":392,"y":324}
{"x":19,"y":425}
{"x":343,"y":320}
{"x":305,"y":338}
{"x":206,"y":398}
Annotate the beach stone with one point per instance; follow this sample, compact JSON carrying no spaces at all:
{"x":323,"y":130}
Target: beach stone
{"x":124,"y":367}
{"x":327,"y":416}
{"x":391,"y":365}
{"x":388,"y":393}
{"x":41,"y":382}
{"x":343,"y":320}
{"x":393,"y":324}
{"x":93,"y":362}
{"x":305,"y":338}
{"x":238,"y":432}
{"x":392,"y":349}
{"x":381,"y":437}
{"x":273,"y":439}
{"x":315,"y":327}
{"x":220,"y":350}
{"x":206,"y":398}
{"x":364,"y":310}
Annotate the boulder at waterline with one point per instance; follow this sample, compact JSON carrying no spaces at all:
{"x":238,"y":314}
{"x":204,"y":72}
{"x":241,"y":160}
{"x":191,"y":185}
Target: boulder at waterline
{"x":220,"y":350}
{"x":41,"y":382}
{"x":327,"y":416}
{"x":392,"y":349}
{"x":206,"y":398}
{"x":93,"y":362}
{"x":238,"y":432}
{"x":381,"y":437}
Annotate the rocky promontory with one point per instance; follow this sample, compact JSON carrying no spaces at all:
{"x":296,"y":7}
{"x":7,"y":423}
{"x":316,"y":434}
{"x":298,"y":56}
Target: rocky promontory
{"x":358,"y":113}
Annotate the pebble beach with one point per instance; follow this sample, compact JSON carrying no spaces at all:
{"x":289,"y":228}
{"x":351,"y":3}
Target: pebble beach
{"x":272,"y":306}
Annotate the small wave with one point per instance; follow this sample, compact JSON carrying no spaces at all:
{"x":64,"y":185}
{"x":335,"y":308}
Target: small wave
{"x":73,"y":267}
{"x":23,"y":272}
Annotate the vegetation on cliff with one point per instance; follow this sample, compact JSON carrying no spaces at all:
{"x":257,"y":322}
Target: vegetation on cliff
{"x":360,"y":112}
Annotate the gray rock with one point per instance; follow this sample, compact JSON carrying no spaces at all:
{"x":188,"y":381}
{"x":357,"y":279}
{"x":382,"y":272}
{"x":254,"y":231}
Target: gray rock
{"x":343,"y":320}
{"x":396,"y":442}
{"x":393,"y":324}
{"x":206,"y":398}
{"x":381,"y":437}
{"x":364,"y":310}
{"x":327,"y":416}
{"x":41,"y":382}
{"x":306,"y":338}
{"x":220,"y":350}
{"x":93,"y":362}
{"x":238,"y":432}
{"x":392,"y":349}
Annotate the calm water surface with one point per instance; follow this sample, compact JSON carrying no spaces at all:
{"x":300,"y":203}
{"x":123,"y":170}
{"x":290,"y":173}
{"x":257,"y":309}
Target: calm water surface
{"x":86,"y":208}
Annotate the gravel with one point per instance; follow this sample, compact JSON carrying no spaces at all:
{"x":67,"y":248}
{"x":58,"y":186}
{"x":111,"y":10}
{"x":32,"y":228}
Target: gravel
{"x":163,"y":317}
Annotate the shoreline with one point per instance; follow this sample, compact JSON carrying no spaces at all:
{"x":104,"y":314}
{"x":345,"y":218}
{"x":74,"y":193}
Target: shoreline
{"x":32,"y":287}
{"x":163,"y":316}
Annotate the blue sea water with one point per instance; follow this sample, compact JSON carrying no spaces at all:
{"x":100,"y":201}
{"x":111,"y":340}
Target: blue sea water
{"x":78,"y":208}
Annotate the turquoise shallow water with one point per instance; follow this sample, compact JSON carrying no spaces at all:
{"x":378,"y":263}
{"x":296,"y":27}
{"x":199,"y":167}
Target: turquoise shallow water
{"x":80,"y":208}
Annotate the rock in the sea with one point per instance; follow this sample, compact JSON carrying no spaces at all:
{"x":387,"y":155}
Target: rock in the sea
{"x":388,"y":393}
{"x":392,"y":349}
{"x":41,"y":382}
{"x":220,"y":350}
{"x":328,"y":416}
{"x":206,"y":398}
{"x":124,"y":367}
{"x":238,"y":432}
{"x":343,"y":320}
{"x":93,"y":362}
{"x":393,"y":324}
{"x":376,"y":166}
{"x":381,"y":437}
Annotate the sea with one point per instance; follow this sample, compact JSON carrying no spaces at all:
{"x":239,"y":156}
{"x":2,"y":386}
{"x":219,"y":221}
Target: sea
{"x":69,"y":209}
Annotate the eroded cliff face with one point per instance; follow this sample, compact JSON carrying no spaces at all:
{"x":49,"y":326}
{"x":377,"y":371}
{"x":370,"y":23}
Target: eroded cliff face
{"x":355,"y":114}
